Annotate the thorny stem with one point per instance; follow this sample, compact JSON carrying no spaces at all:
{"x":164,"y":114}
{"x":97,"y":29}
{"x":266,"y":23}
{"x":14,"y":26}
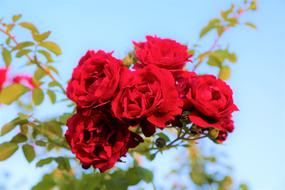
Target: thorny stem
{"x":33,"y":60}
{"x":217,"y":39}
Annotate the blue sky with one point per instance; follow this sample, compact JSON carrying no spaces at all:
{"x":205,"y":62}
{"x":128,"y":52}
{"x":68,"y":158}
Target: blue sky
{"x":256,"y":148}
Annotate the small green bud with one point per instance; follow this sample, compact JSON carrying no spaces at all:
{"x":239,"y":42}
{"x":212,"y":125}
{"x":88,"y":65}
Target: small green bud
{"x":213,"y":133}
{"x":160,"y":142}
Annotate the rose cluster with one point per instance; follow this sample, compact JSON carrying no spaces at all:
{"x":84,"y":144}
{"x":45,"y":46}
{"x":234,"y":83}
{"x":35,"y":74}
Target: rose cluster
{"x":153,"y":93}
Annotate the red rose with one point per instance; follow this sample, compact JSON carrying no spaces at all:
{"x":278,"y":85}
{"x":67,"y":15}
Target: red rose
{"x":163,"y":53}
{"x":25,"y":79}
{"x":183,"y":80}
{"x":147,"y":95}
{"x":212,"y":101}
{"x":3,"y":76}
{"x":95,"y":79}
{"x":97,"y":139}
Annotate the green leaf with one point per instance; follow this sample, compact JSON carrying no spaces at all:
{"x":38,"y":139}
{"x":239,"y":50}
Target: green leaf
{"x":232,"y":21}
{"x":63,"y":163}
{"x":11,"y":93}
{"x":148,"y":175}
{"x":41,"y":37}
{"x":23,"y":52}
{"x":221,"y":55}
{"x":9,"y":27}
{"x":8,"y":41}
{"x":63,"y":118}
{"x":23,"y":116}
{"x":51,"y":46}
{"x":215,"y":60}
{"x":225,"y":73}
{"x":243,"y":186}
{"x":191,"y":51}
{"x":40,"y":143}
{"x":226,"y":13}
{"x":220,"y":30}
{"x":7,"y":149}
{"x":39,"y":74}
{"x":23,"y":45}
{"x":24,"y":129}
{"x":16,"y":17}
{"x":211,"y":25}
{"x":38,"y":96}
{"x":52,"y":96}
{"x":47,"y":183}
{"x":164,"y":136}
{"x":29,"y":152}
{"x":43,"y":162}
{"x":9,"y":126}
{"x":232,"y":57}
{"x":136,"y":174}
{"x":118,"y":181}
{"x":19,"y":138}
{"x":47,"y":55}
{"x":6,"y":54}
{"x":52,"y":68}
{"x":12,"y":124}
{"x":52,"y":128}
{"x":53,"y":84}
{"x":251,"y":25}
{"x":253,"y":5}
{"x":29,"y":26}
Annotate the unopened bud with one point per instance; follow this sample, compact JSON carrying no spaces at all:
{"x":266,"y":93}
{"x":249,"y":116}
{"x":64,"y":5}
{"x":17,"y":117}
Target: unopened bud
{"x":213,"y":133}
{"x":160,"y":142}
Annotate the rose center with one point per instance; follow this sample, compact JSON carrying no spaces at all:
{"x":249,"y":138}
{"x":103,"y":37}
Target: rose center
{"x":216,"y":95}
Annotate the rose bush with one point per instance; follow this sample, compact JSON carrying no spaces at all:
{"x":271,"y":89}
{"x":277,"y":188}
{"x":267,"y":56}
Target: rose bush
{"x":155,"y":92}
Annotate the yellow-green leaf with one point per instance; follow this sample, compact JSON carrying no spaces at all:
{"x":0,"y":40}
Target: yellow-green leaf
{"x":16,"y":17}
{"x":23,"y":52}
{"x":40,"y":143}
{"x":52,"y":96}
{"x":11,"y":93}
{"x":210,"y":26}
{"x":29,"y":152}
{"x":9,"y":126}
{"x":215,"y":60}
{"x":23,"y":45}
{"x":47,"y":55}
{"x":39,"y":74}
{"x":41,"y":37}
{"x":226,"y":13}
{"x":6,"y":56}
{"x":51,"y":46}
{"x":232,"y":21}
{"x":251,"y":25}
{"x":19,"y":138}
{"x":232,"y":57}
{"x":44,"y":161}
{"x":29,"y":26}
{"x":7,"y":149}
{"x":225,"y":73}
{"x":53,"y":69}
{"x":38,"y":96}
